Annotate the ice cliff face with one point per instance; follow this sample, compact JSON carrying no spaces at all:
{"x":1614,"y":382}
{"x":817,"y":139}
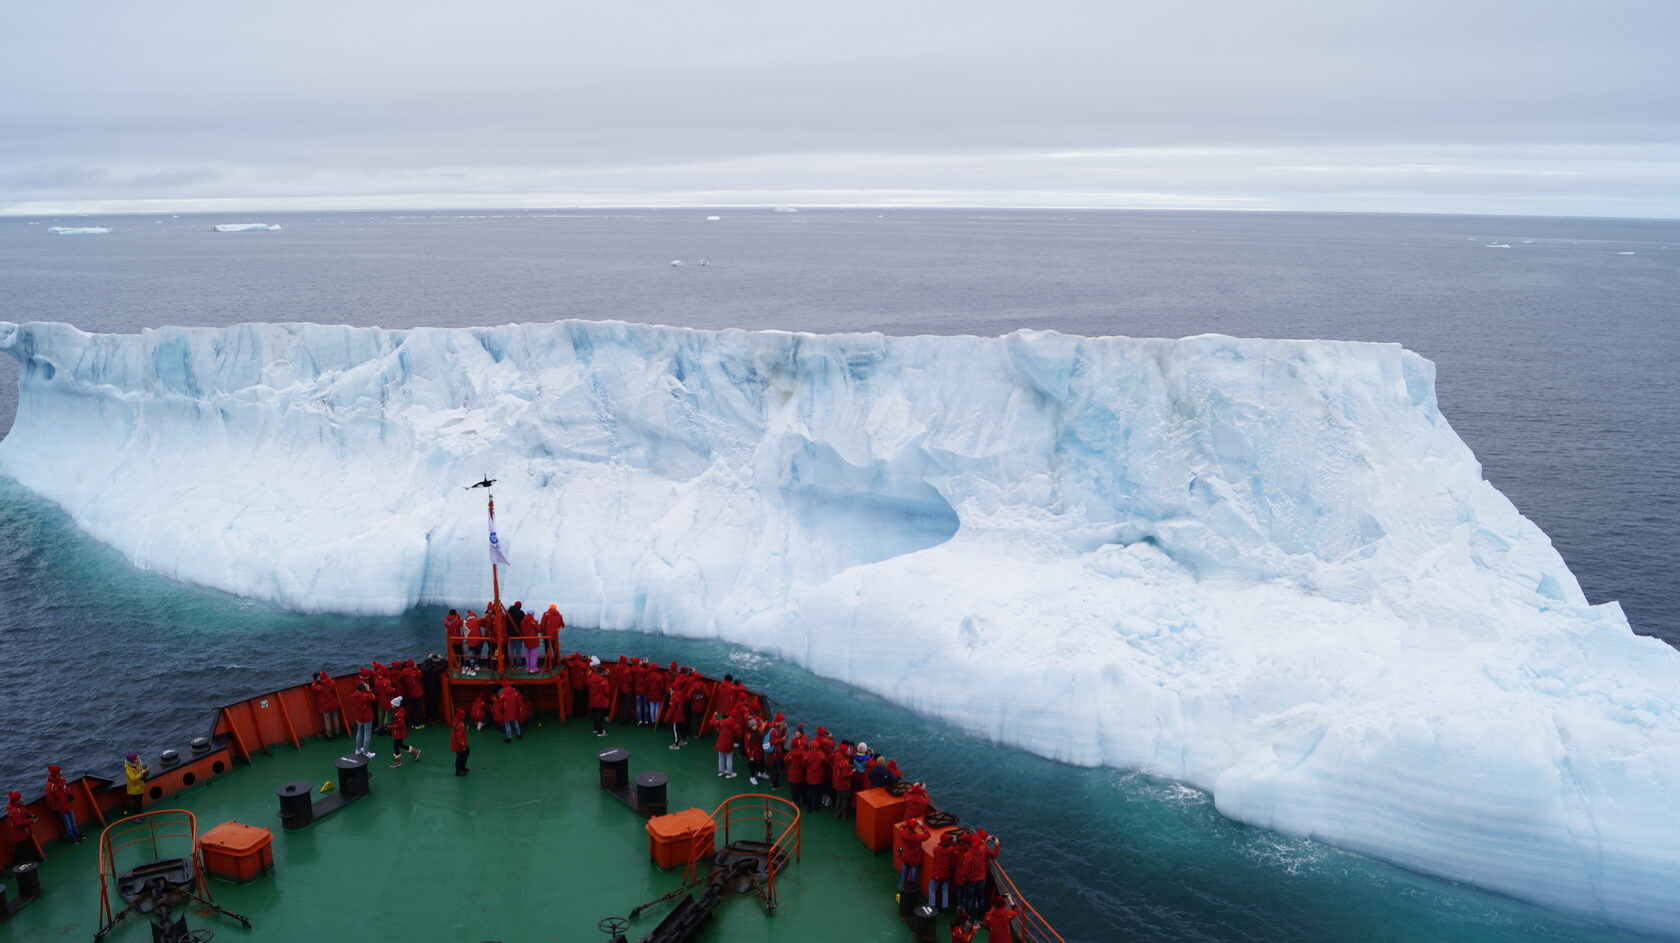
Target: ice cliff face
{"x":1266,"y":568}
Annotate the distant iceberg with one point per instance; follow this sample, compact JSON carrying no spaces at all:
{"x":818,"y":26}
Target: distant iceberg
{"x":78,"y":230}
{"x":786,"y":209}
{"x":246,"y":227}
{"x":1268,"y":569}
{"x":713,"y":219}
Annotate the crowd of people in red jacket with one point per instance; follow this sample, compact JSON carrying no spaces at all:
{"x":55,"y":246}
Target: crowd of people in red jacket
{"x":821,"y":771}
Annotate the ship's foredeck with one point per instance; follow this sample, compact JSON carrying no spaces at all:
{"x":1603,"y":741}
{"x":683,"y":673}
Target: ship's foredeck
{"x":525,"y":847}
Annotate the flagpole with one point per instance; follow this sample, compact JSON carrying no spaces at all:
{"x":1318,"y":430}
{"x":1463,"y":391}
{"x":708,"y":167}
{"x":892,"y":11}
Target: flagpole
{"x":496,"y":597}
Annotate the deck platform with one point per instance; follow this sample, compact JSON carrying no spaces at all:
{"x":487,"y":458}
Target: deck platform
{"x":526,"y":847}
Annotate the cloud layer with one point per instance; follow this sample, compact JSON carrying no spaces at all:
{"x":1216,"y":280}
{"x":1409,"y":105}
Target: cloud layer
{"x":1487,"y":107}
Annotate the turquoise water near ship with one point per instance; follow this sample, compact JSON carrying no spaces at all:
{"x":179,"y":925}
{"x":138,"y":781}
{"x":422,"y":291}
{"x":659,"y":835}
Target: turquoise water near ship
{"x":1555,"y":357}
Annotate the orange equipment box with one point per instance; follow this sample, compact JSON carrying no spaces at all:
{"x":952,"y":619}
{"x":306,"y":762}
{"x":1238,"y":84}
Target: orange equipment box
{"x":676,"y":839}
{"x":877,"y":812}
{"x":237,"y":853}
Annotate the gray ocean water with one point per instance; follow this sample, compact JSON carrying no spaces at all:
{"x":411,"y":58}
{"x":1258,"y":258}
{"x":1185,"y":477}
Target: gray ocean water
{"x":1554,"y":358}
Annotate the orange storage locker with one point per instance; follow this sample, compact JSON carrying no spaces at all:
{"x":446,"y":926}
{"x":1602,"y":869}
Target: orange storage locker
{"x":237,"y":853}
{"x":676,"y":839}
{"x":877,"y":812}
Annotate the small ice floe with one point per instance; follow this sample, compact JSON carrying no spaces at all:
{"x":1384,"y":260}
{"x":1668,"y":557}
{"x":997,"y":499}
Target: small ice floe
{"x":1499,"y":245}
{"x":702,"y":262}
{"x":78,"y":230}
{"x":676,"y":262}
{"x":1629,"y":252}
{"x":246,"y":227}
{"x":713,"y":219}
{"x":1528,"y":242}
{"x":786,"y":209}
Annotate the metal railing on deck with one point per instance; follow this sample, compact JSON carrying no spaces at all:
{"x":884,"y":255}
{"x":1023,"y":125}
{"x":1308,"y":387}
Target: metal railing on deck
{"x":496,"y":656}
{"x":780,"y":820}
{"x":1034,"y":928}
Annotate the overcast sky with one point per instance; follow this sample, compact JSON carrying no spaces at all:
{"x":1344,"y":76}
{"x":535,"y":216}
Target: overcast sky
{"x":1476,"y":106}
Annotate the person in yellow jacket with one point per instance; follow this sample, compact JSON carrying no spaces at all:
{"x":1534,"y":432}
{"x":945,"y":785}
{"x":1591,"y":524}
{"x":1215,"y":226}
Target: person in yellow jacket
{"x":136,"y":772}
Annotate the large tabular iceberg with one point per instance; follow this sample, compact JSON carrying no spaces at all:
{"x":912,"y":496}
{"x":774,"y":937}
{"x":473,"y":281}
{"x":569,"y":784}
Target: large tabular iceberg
{"x":1267,"y":568}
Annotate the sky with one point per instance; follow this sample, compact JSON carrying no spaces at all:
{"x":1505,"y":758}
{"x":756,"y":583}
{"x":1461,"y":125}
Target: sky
{"x":1470,"y":106}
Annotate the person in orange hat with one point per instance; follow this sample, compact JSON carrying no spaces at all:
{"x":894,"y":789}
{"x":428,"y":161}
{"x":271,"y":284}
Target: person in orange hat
{"x":20,"y":824}
{"x":58,"y":800}
{"x":550,"y":625}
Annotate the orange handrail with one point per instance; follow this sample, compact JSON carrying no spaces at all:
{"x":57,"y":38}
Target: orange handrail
{"x":1034,"y":928}
{"x":157,"y":824}
{"x":770,"y":811}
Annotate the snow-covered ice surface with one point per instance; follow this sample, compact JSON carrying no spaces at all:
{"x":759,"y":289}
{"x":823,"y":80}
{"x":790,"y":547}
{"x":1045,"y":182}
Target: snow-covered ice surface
{"x":1268,"y":569}
{"x":78,"y":230}
{"x":246,"y":227}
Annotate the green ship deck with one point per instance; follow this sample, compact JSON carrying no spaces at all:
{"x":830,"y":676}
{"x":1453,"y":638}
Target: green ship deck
{"x":526,"y":847}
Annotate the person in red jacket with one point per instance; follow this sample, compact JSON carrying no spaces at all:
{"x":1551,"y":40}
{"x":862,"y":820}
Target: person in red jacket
{"x":795,"y":765}
{"x":20,"y":824}
{"x":362,"y":701}
{"x":752,"y":740}
{"x":413,"y":692}
{"x":816,"y":777}
{"x":727,"y":732}
{"x":58,"y":800}
{"x":384,"y":689}
{"x":532,"y":632}
{"x":475,"y":642}
{"x":962,"y":928}
{"x":916,"y":801}
{"x":577,"y":673}
{"x":458,"y":743}
{"x":971,"y":870}
{"x":326,"y":704}
{"x":1000,"y":921}
{"x":455,"y":634}
{"x":598,"y":697}
{"x":511,"y":711}
{"x":653,"y":690}
{"x":550,"y":625}
{"x":399,"y":730}
{"x":776,"y":752}
{"x":941,"y":870}
{"x":910,"y":833}
{"x":840,"y":780}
